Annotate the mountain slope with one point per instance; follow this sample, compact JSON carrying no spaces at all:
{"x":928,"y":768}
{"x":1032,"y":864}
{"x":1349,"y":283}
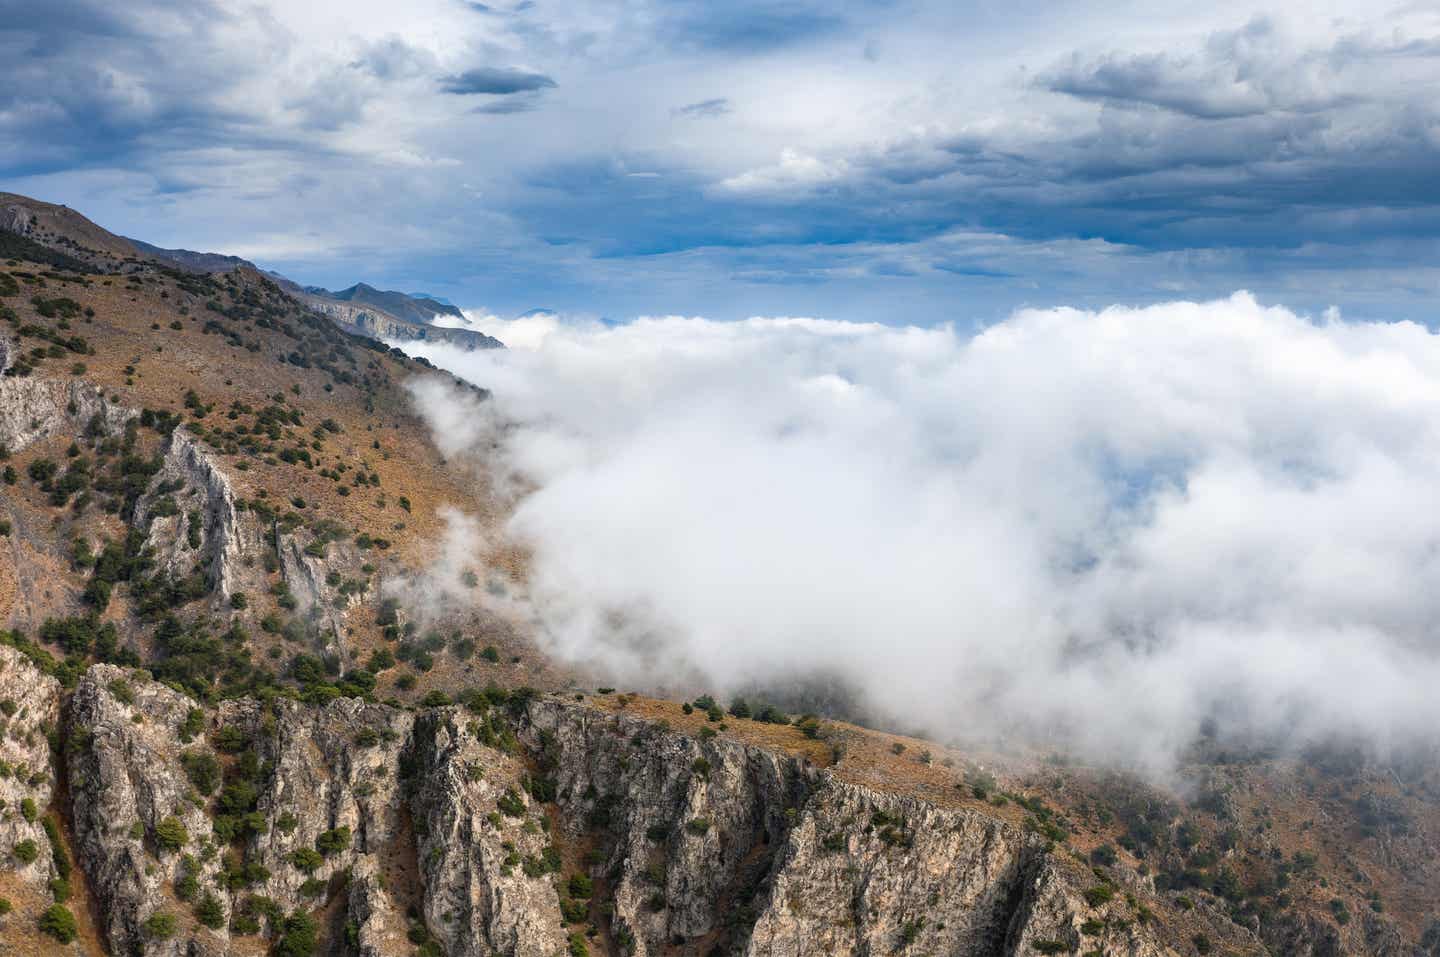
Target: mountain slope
{"x":253,"y":700}
{"x":68,"y":234}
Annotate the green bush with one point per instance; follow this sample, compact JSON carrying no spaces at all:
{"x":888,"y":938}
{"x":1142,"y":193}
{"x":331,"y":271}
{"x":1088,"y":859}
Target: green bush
{"x":26,"y":851}
{"x":209,"y":912}
{"x":160,"y":925}
{"x":299,"y":936}
{"x":58,"y":922}
{"x":171,"y":835}
{"x":333,"y":841}
{"x":306,"y":860}
{"x":202,"y":769}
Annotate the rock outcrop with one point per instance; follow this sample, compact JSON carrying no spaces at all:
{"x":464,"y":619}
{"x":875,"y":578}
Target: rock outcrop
{"x":223,"y":536}
{"x":32,"y":409}
{"x":371,"y":322}
{"x":29,"y":712}
{"x":512,"y":832}
{"x":482,"y":849}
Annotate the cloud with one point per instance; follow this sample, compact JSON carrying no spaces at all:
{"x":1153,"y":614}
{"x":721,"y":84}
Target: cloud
{"x":705,"y":108}
{"x":511,"y":104}
{"x":497,"y":81}
{"x":1103,"y":529}
{"x":748,"y":26}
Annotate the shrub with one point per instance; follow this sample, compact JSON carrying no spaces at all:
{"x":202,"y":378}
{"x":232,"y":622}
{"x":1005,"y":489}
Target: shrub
{"x":1100,"y":894}
{"x":698,"y":825}
{"x":333,"y":841}
{"x":160,"y":925}
{"x":580,"y":886}
{"x":28,"y":810}
{"x":26,"y":851}
{"x":491,"y":654}
{"x":58,"y":922}
{"x":740,"y":708}
{"x":305,"y":859}
{"x":298,"y":936}
{"x":209,"y":912}
{"x":202,"y":769}
{"x":510,"y":803}
{"x":171,"y":835}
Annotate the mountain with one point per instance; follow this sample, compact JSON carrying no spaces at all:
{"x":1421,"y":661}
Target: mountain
{"x":401,"y":305}
{"x":189,"y":259}
{"x":359,"y":309}
{"x":249,"y":708}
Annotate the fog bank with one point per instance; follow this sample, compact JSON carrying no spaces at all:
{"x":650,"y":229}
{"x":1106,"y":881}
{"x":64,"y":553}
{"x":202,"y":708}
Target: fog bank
{"x":1103,"y":528}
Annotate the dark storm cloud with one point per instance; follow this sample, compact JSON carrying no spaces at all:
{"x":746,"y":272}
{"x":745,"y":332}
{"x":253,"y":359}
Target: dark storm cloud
{"x":497,"y":81}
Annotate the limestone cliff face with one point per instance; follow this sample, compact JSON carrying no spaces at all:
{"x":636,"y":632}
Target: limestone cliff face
{"x":369,"y":321}
{"x":686,"y":829}
{"x":320,"y":770}
{"x":440,"y":824}
{"x":29,"y":711}
{"x":32,"y":409}
{"x":126,"y":778}
{"x":224,"y":536}
{"x":486,"y":890}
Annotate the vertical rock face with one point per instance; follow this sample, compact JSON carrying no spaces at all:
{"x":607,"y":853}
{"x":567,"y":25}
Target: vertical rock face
{"x":32,"y":409}
{"x":693,"y":846}
{"x":322,"y":769}
{"x":863,"y":872}
{"x":126,"y":778}
{"x":224,"y":536}
{"x":29,"y":709}
{"x":687,"y":829}
{"x":330,"y":768}
{"x":482,"y":849}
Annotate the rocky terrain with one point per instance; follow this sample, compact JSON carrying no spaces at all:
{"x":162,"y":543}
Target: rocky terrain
{"x":233,"y":725}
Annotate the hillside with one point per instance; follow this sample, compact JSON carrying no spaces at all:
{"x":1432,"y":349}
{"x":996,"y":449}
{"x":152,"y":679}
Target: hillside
{"x":248,"y":709}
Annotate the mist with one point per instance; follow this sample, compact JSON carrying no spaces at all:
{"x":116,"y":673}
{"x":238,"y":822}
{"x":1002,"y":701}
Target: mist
{"x":1101,"y":530}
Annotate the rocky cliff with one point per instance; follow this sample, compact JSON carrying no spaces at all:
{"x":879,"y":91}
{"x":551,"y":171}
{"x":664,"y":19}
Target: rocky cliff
{"x":369,"y":321}
{"x":520,"y":825}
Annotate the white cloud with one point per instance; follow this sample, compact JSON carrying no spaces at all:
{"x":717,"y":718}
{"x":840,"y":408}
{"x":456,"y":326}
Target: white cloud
{"x":1101,"y":526}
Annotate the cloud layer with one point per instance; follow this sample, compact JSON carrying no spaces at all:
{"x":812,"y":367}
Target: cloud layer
{"x":816,"y":158}
{"x":1103,"y":528}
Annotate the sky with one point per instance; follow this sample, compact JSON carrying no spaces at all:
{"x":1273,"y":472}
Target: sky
{"x":890,"y":161}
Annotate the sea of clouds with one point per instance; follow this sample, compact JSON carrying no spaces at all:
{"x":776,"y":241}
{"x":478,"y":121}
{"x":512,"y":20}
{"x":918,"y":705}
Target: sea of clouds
{"x":1107,"y":529}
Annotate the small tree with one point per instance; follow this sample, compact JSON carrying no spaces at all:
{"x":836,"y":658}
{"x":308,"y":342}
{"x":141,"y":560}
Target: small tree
{"x":160,"y":925}
{"x":171,"y":835}
{"x":58,"y":922}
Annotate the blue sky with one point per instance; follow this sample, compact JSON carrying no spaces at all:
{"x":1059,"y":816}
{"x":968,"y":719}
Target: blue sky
{"x":886,"y":160}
